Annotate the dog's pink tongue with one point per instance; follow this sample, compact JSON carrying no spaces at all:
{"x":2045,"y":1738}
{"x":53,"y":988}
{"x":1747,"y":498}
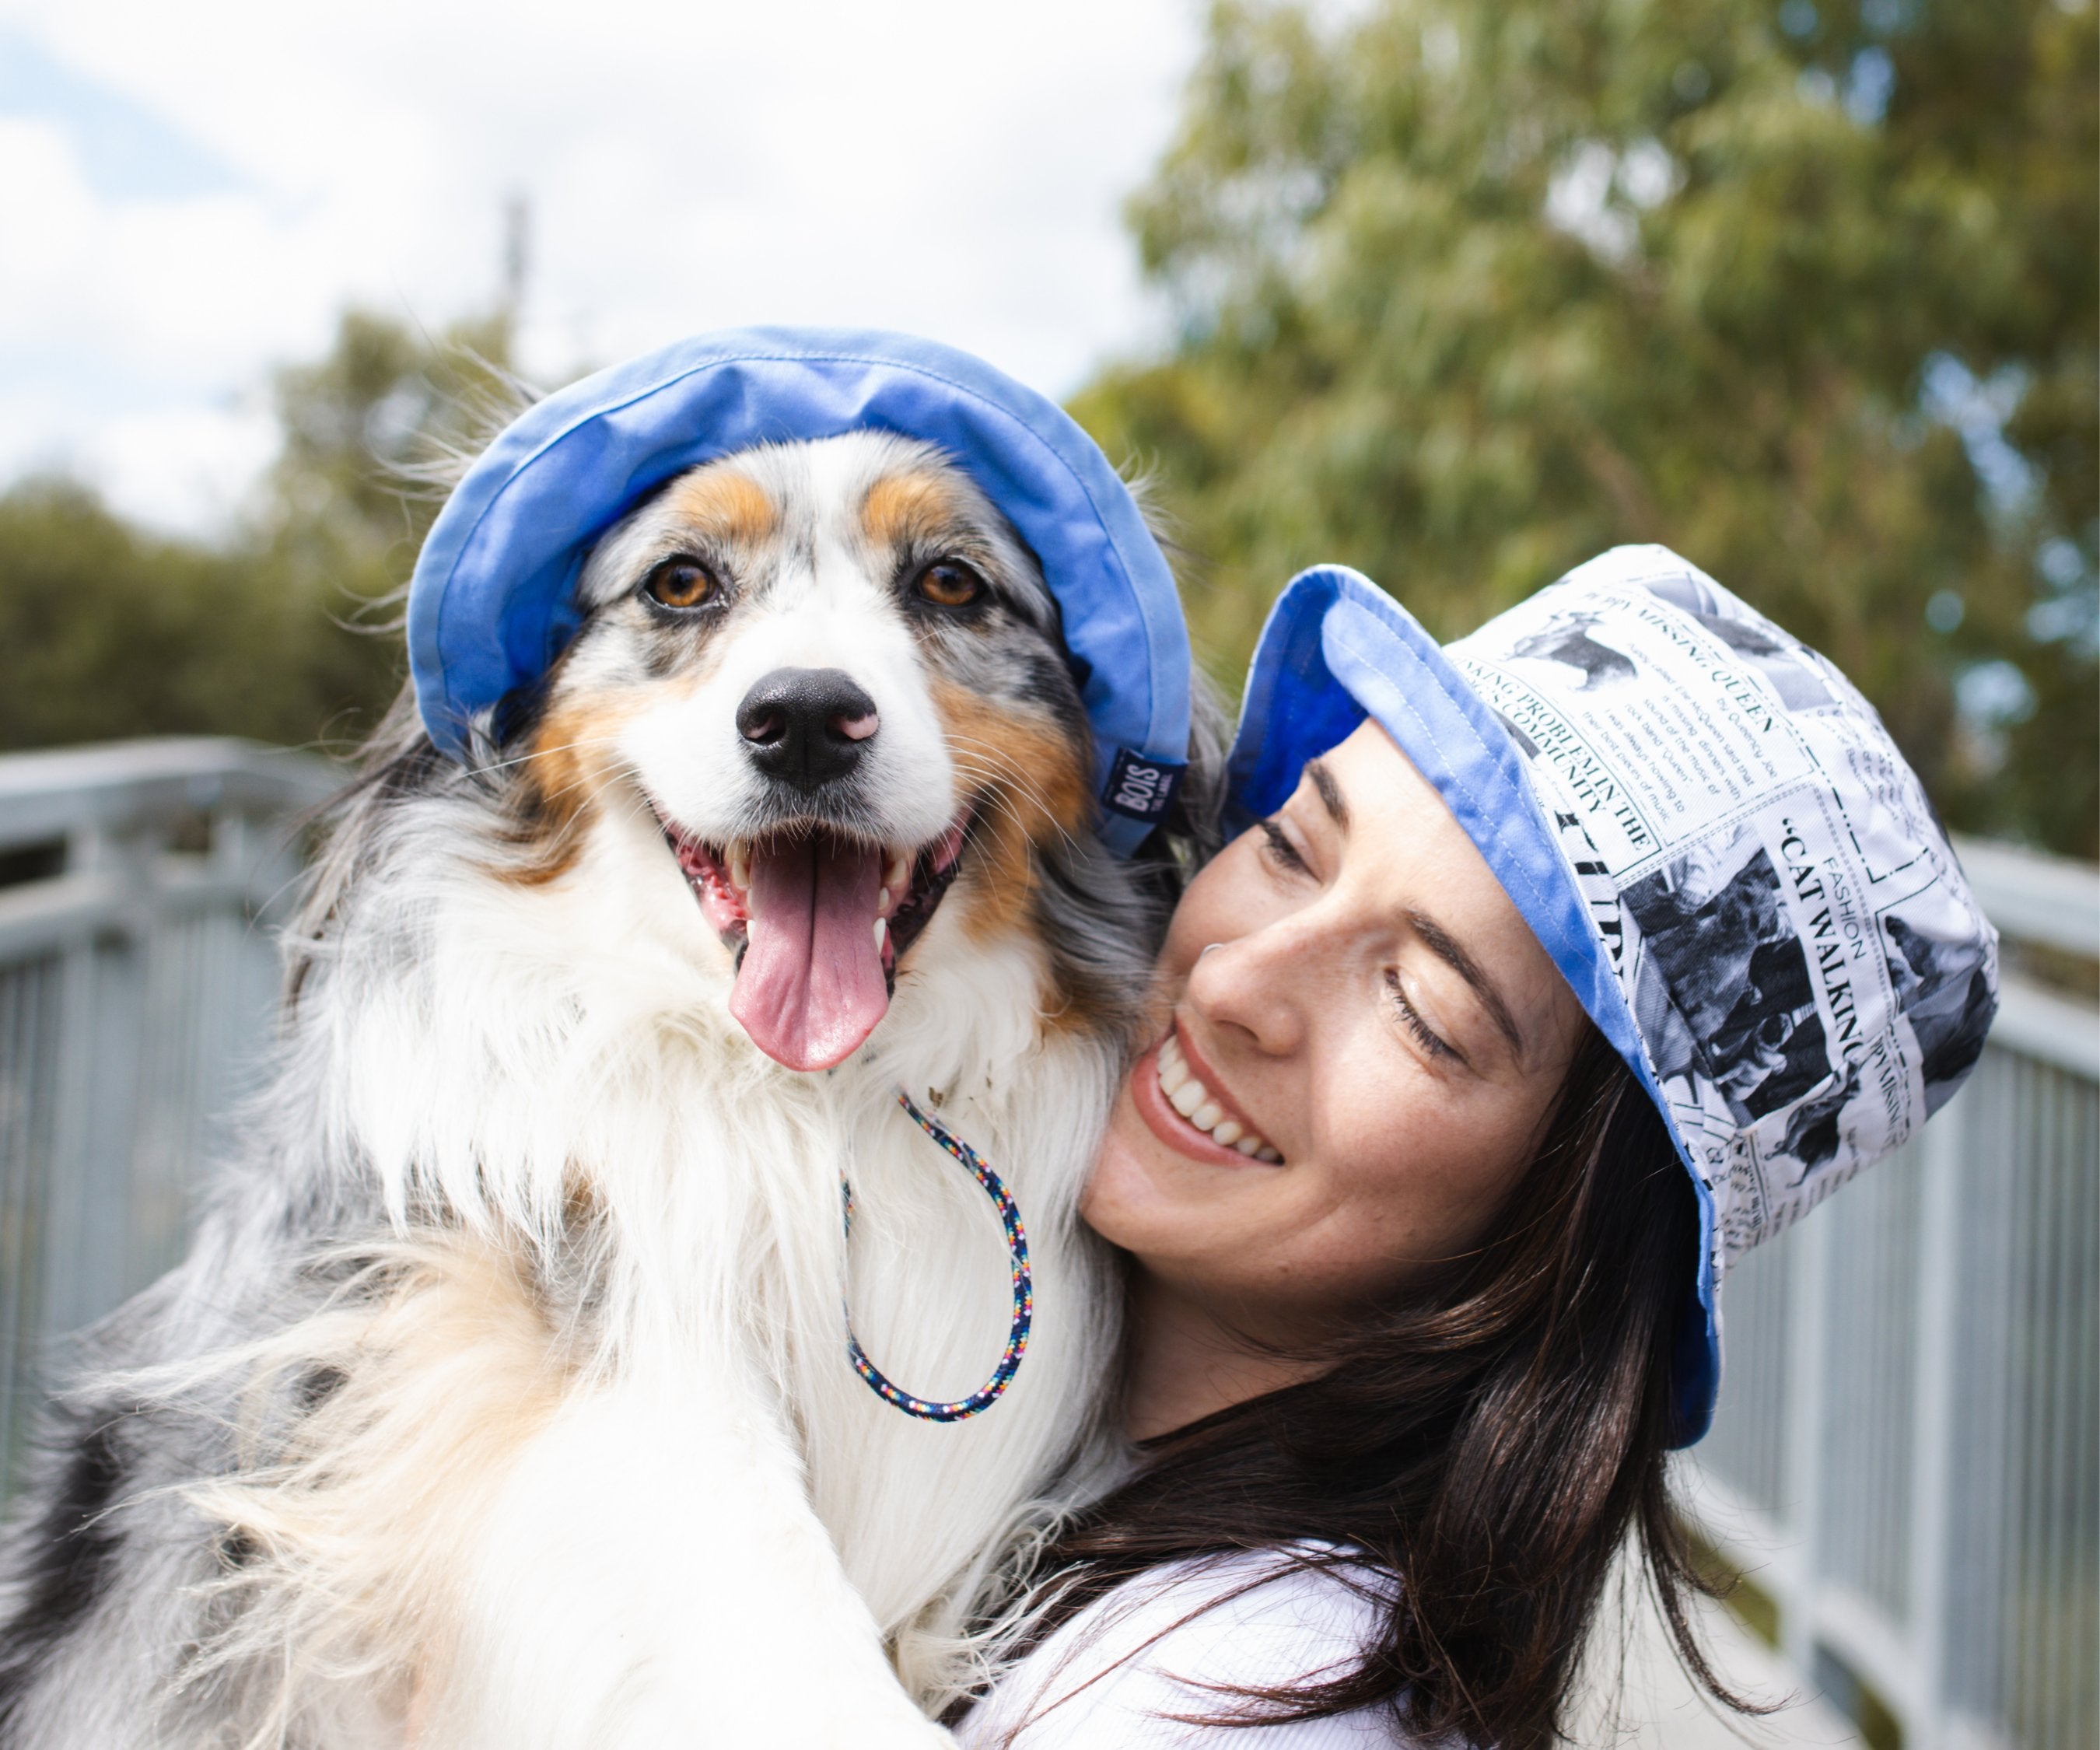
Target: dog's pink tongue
{"x":811,"y":986}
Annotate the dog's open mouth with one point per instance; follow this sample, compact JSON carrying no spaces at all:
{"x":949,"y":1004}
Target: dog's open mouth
{"x":817,"y":920}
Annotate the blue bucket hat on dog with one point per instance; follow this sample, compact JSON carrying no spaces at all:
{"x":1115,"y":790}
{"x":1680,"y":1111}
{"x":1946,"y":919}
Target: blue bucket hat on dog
{"x":1710,"y":832}
{"x":491,"y":604}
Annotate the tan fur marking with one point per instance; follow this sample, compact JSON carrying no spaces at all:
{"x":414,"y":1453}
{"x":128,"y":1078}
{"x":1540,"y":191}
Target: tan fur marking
{"x":901,"y":507}
{"x":725,"y":503}
{"x":360,"y":1512}
{"x":1027,"y":773}
{"x":569,"y":764}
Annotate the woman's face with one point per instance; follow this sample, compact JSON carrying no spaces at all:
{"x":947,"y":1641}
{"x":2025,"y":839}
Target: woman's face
{"x":1356,"y":999}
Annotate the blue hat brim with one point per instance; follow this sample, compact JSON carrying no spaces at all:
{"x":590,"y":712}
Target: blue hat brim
{"x":492,"y":603}
{"x":1337,"y":649}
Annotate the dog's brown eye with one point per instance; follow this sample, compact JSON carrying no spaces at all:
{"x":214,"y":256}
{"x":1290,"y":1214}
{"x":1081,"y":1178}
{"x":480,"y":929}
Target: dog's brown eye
{"x":681,"y":582}
{"x":948,"y":583}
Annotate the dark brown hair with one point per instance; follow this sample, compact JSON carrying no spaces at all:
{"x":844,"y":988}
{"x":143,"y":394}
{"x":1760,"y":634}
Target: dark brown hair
{"x":1490,"y":1440}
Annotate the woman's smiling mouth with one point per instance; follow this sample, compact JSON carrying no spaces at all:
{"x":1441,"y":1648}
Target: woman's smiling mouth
{"x":1183,"y":1110}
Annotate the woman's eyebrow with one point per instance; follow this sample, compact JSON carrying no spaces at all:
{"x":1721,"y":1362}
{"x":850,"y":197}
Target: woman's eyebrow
{"x":1440,"y":942}
{"x":1330,"y":792}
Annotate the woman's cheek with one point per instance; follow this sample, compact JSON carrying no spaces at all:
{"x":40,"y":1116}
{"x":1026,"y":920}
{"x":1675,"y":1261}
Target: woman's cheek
{"x":1414,"y":1189}
{"x":1122,"y":1202}
{"x":1185,"y":939}
{"x":1452,"y":1188}
{"x":1222,"y":902}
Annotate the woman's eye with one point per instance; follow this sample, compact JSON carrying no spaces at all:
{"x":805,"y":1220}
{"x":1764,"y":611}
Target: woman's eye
{"x":1282,"y":850}
{"x":682,"y":582}
{"x":1410,"y":1018}
{"x":949,"y":582}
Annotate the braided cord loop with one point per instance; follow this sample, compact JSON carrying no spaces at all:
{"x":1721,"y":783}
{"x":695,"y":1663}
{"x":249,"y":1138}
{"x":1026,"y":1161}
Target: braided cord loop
{"x":993,"y":1389}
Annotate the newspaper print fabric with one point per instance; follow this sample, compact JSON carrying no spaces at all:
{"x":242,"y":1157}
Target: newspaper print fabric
{"x":1809,"y":974}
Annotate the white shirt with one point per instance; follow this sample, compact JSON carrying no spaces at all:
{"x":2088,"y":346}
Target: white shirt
{"x":1112,"y":1677}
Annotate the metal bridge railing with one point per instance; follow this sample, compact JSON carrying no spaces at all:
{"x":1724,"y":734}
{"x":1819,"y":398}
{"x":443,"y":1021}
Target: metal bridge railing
{"x":1906,"y":1462}
{"x":138,"y":975}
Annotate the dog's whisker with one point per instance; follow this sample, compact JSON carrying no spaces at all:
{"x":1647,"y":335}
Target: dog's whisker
{"x":531,"y":754}
{"x":1027,"y":824}
{"x":991,"y":762}
{"x":1004,"y":777}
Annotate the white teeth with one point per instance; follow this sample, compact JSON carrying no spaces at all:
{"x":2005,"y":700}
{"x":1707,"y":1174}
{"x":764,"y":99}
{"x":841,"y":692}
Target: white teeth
{"x":892,"y":877}
{"x":1186,"y":1094}
{"x":739,"y":866}
{"x":881,"y":934}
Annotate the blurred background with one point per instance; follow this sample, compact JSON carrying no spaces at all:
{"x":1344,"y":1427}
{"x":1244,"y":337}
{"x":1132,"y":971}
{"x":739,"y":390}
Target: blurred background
{"x":1459,"y":294}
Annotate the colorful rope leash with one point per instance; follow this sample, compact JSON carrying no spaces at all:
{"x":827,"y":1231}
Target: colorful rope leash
{"x":1024,"y":1292}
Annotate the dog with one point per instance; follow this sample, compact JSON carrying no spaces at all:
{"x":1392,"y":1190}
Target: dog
{"x":504,"y":1399}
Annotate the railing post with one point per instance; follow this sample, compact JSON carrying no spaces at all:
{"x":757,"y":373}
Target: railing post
{"x":101,"y":1006}
{"x":1805,"y":1410}
{"x":1943,"y":1148}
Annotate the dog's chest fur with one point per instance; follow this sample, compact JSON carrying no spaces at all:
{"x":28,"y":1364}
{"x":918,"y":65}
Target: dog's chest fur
{"x":540,"y":1064}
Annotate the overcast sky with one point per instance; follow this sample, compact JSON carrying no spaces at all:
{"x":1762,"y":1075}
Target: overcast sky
{"x":190,"y":193}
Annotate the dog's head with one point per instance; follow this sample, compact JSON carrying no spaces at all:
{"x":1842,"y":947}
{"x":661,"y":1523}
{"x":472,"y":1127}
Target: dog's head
{"x":834,"y":674}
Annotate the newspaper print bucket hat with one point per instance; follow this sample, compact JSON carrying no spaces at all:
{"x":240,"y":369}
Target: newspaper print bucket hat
{"x":492,"y":604}
{"x":1710,"y":832}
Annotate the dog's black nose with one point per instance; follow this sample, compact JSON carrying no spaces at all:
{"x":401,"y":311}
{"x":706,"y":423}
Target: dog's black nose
{"x":806,"y":726}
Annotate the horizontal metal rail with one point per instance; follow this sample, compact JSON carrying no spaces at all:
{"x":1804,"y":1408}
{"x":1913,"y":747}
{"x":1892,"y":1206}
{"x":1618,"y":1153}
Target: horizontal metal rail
{"x":133,"y":788}
{"x":2033,"y":897}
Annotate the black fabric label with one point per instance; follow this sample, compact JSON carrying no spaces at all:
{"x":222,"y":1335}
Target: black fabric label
{"x":1140,"y":787}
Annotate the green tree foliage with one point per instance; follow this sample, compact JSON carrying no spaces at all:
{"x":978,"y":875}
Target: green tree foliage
{"x":105,"y":632}
{"x":281,"y":631}
{"x":1466,"y":293}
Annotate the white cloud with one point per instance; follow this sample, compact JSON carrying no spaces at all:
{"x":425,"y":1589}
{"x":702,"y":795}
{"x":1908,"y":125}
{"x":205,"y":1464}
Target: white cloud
{"x":940,"y":165}
{"x":185,"y":468}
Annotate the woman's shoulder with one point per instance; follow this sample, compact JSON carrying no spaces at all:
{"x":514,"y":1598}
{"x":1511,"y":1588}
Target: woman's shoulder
{"x":1179,"y":1639}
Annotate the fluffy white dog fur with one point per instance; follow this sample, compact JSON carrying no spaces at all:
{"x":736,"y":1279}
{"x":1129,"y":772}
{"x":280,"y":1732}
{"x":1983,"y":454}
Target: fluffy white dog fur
{"x":504,"y":1398}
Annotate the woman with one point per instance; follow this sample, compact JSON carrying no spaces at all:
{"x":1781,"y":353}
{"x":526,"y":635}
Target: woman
{"x":1422,"y":1290}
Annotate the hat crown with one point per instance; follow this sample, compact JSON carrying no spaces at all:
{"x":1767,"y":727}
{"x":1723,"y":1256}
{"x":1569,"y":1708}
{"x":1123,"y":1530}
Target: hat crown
{"x":1809,"y":974}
